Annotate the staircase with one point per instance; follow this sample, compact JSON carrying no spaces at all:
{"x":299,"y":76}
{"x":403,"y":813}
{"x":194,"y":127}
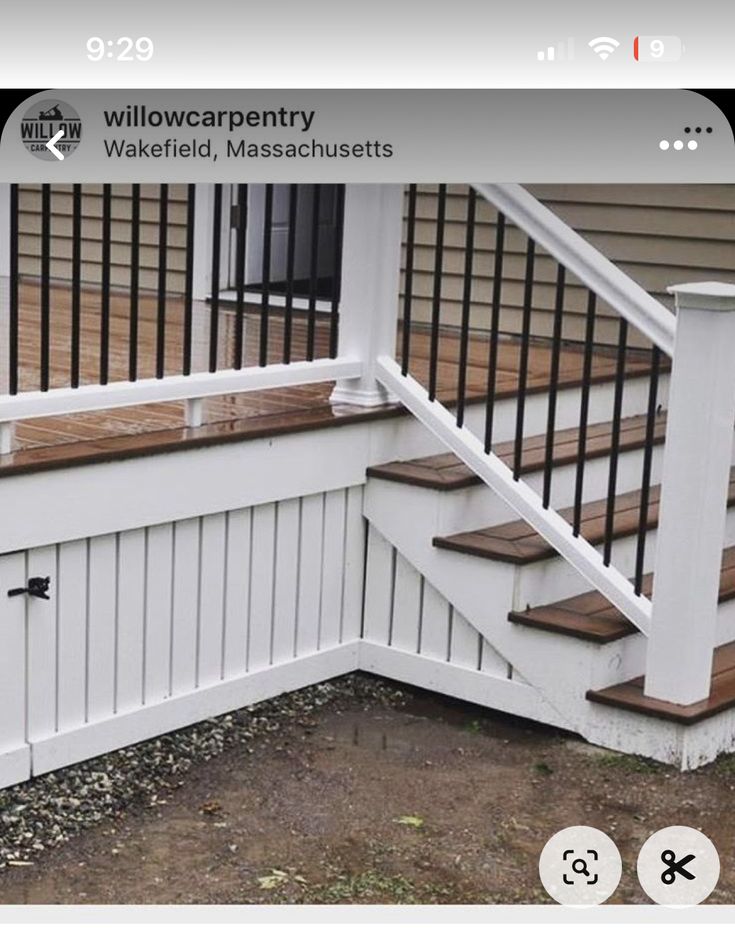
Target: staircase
{"x":541,"y":622}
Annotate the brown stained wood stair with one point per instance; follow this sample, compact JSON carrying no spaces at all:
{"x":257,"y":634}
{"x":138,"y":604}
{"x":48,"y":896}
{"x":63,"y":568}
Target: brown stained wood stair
{"x":446,"y":472}
{"x":630,"y":696}
{"x":519,"y":544}
{"x":591,"y":617}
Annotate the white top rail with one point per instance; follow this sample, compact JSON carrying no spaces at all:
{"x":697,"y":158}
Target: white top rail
{"x":592,"y":267}
{"x":121,"y":394}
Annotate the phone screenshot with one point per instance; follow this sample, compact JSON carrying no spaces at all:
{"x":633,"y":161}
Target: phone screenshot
{"x":367,"y":485}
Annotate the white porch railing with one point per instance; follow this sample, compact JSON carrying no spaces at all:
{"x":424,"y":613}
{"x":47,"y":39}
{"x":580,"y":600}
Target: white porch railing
{"x":206,"y":232}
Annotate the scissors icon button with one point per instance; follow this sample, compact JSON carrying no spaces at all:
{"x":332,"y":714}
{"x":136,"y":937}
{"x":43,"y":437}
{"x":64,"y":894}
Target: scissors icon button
{"x":678,"y":865}
{"x":675,"y":868}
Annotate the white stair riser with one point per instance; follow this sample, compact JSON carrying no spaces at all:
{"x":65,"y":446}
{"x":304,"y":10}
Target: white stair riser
{"x":540,"y":583}
{"x":726,"y":622}
{"x":478,"y":506}
{"x":635,"y":402}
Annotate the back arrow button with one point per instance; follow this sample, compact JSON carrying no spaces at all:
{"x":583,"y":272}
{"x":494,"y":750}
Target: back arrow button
{"x":51,"y":145}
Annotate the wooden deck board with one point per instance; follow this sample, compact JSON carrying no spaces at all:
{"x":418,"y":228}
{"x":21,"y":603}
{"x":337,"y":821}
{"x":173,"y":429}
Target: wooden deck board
{"x":142,"y":428}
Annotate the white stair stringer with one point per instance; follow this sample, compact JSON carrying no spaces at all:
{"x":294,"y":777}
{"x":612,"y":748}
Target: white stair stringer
{"x":560,"y":668}
{"x":411,"y":633}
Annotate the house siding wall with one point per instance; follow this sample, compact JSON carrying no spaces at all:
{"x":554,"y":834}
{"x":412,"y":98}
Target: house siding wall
{"x":61,"y":234}
{"x":658,"y":234}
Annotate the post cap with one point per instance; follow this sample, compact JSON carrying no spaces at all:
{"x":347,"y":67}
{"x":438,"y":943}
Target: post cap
{"x":713,"y":295}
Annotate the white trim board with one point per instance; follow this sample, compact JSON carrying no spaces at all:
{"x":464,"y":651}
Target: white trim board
{"x":15,"y":766}
{"x":91,"y":740}
{"x":476,"y":687}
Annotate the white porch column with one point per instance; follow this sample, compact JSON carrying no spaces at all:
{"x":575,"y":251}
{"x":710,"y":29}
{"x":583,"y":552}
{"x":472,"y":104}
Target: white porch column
{"x":371,"y":267}
{"x":6,"y":427}
{"x":695,"y":478}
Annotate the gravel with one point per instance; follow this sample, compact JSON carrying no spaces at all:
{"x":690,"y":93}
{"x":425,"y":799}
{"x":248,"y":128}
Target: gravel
{"x":49,"y":810}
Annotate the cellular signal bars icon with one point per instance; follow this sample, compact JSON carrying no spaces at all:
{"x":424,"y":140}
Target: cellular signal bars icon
{"x":558,"y":53}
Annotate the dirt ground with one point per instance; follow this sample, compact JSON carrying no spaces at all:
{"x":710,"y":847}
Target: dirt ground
{"x":432,"y":801}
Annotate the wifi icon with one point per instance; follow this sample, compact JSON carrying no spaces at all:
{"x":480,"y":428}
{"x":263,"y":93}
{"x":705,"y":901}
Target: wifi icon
{"x":604,"y":46}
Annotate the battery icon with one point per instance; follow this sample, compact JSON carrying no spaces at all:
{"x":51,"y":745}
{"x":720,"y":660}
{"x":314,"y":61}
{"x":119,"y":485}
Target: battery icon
{"x":657,"y":48}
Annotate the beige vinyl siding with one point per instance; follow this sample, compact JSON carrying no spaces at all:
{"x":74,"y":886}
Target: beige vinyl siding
{"x":61,"y":234}
{"x":657,"y":234}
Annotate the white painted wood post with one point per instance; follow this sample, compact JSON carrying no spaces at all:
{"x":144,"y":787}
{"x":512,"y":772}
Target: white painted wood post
{"x":201,"y":287}
{"x":194,"y":412}
{"x":6,"y":427}
{"x":695,"y":478}
{"x":371,"y":267}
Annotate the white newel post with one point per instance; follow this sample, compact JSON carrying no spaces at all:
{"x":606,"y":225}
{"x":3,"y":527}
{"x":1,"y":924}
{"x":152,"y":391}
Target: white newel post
{"x":6,"y":427}
{"x":371,"y":267}
{"x":695,"y":478}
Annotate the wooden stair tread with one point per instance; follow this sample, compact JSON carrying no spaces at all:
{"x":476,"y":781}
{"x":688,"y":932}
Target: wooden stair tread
{"x":592,"y":618}
{"x":630,"y":696}
{"x":518,"y":543}
{"x":447,"y":472}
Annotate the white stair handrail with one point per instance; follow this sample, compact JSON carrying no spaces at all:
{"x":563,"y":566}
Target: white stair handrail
{"x":592,"y":267}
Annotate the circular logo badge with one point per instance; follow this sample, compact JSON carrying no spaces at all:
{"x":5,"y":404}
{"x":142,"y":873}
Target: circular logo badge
{"x":678,"y":866}
{"x":51,"y":130}
{"x":580,"y":866}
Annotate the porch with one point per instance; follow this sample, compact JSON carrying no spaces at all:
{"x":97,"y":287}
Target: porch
{"x":489,"y":529}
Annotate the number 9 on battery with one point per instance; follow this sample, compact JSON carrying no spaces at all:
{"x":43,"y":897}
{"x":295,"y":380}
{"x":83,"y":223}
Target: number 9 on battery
{"x":657,"y":48}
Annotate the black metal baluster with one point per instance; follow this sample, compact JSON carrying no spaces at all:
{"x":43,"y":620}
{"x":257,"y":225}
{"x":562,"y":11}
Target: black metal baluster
{"x":523,"y":359}
{"x":589,"y":340}
{"x":162,"y":274}
{"x":615,"y":441}
{"x":266,"y":279}
{"x":553,"y":384}
{"x":13,"y":301}
{"x":189,"y":284}
{"x":640,"y":554}
{"x":492,"y":366}
{"x":45,"y":285}
{"x":214,"y":302}
{"x":133,"y":314}
{"x":105,"y":283}
{"x":464,"y":335}
{"x":314,"y":272}
{"x":242,"y":225}
{"x":408,"y":280}
{"x":293,"y":207}
{"x":76,"y":280}
{"x":441,"y":209}
{"x":339,"y":197}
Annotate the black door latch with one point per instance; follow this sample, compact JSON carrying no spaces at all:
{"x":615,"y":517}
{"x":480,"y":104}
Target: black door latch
{"x":38,"y":587}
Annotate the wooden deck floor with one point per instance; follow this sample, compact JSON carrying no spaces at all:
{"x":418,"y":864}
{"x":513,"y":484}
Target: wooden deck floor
{"x":99,"y":435}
